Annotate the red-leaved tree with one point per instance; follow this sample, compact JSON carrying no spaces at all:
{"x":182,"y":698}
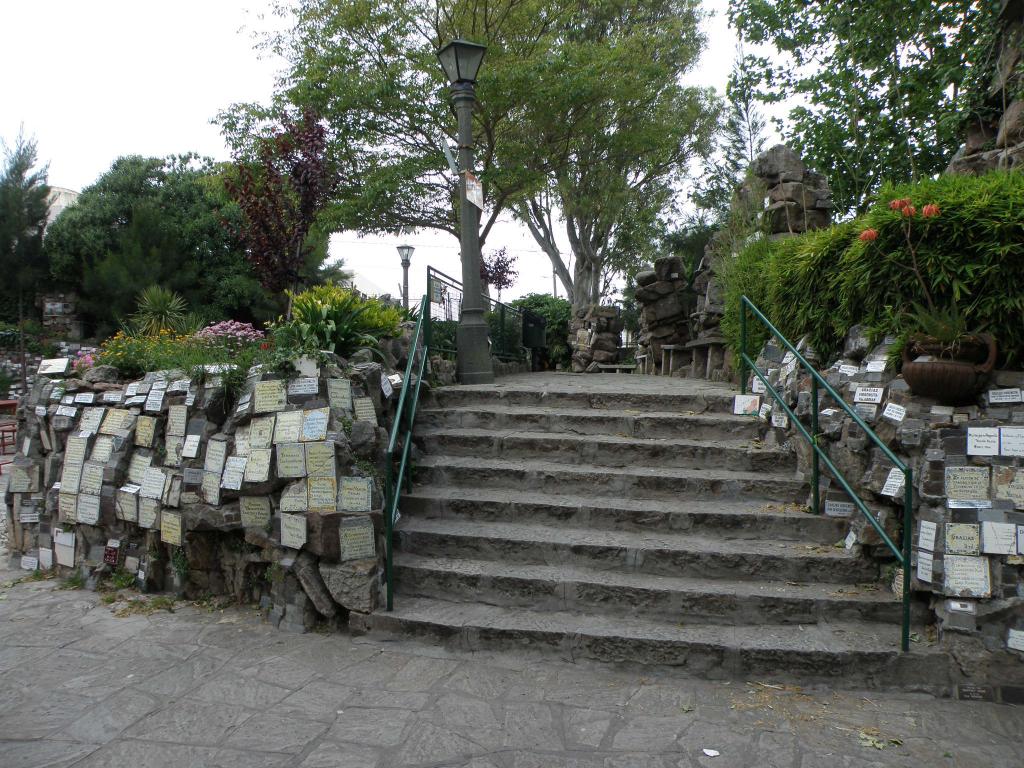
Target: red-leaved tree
{"x":281,"y":194}
{"x":499,"y":270}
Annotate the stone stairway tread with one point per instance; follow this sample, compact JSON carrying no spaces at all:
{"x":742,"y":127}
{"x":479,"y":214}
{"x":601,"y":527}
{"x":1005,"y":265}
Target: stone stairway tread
{"x":740,"y":507}
{"x":541,"y":465}
{"x":604,"y":413}
{"x":611,"y":441}
{"x":865,"y":639}
{"x":666,"y":541}
{"x":818,"y":591}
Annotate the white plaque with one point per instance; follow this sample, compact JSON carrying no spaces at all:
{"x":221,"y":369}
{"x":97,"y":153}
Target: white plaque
{"x":1011,"y":441}
{"x":364,"y":410}
{"x":211,"y":488}
{"x":966,"y":576}
{"x":849,"y":370}
{"x":293,"y":531}
{"x":893,"y":483}
{"x":102,"y":449}
{"x":386,"y":387}
{"x":967,"y":483}
{"x":358,"y":541}
{"x":153,"y":483}
{"x":764,"y":412}
{"x":926,"y":535}
{"x":88,"y":509}
{"x":356,"y":494}
{"x":261,"y":432}
{"x":270,"y":396}
{"x":291,"y":460}
{"x":155,"y":400}
{"x":757,"y":386}
{"x":112,"y":397}
{"x":67,"y":410}
{"x":288,"y":428}
{"x":851,"y":539}
{"x":1009,"y":483}
{"x":234,"y":472}
{"x":29,"y":563}
{"x":254,"y":510}
{"x":925,"y":564}
{"x":190,"y":448}
{"x":216,"y":453}
{"x":126,"y":503}
{"x":85,"y":397}
{"x":963,"y":539}
{"x":294,"y":497}
{"x":177,"y":418}
{"x":92,"y":478}
{"x":92,"y":418}
{"x":874,"y":366}
{"x":242,"y":444}
{"x":894,"y":412}
{"x":1014,"y":638}
{"x":982,"y":441}
{"x":257,"y":468}
{"x":1004,"y":395}
{"x":998,"y":538}
{"x":780,"y":419}
{"x":746,"y":405}
{"x":137,"y":467}
{"x":869,"y":394}
{"x":314,"y":425}
{"x":170,"y":528}
{"x":54,"y":366}
{"x":839,"y":508}
{"x":149,"y":510}
{"x":303,"y":386}
{"x":339,"y":394}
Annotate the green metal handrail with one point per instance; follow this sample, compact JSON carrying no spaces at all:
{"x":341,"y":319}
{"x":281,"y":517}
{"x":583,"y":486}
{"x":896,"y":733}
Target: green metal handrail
{"x":903,"y":556}
{"x":393,"y":489}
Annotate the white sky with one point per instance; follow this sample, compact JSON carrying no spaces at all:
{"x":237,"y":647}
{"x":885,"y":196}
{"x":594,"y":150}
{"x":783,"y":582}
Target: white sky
{"x":92,"y":81}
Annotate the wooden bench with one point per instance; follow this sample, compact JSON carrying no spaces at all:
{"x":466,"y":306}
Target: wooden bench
{"x":617,"y":367}
{"x":666,"y":370}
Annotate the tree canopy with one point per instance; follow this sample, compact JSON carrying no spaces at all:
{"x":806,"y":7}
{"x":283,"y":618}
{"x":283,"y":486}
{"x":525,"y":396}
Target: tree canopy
{"x":883,"y":86}
{"x":581,"y":120}
{"x":24,"y":207}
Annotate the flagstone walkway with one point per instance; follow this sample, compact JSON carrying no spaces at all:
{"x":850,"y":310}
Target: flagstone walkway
{"x":209,"y":688}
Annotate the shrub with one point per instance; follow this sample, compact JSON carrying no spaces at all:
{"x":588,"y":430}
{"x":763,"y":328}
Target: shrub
{"x":231,"y":332}
{"x":338,"y":320}
{"x":134,"y":354}
{"x":971,"y":257}
{"x":159,"y":309}
{"x":557,"y":313}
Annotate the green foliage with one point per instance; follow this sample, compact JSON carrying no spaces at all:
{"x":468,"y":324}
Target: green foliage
{"x":159,"y":309}
{"x":557,"y":312}
{"x":946,"y":325}
{"x":338,"y":320}
{"x":121,"y":579}
{"x":971,"y":259}
{"x":179,"y":562}
{"x":883,"y":87}
{"x":133,"y":354}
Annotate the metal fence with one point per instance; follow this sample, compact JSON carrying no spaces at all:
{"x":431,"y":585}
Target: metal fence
{"x":506,"y":323}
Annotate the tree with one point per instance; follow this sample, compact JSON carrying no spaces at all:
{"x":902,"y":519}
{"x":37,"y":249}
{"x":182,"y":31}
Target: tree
{"x":498,"y":270}
{"x":155,"y":221}
{"x":884,"y":86}
{"x":24,"y":208}
{"x":281,"y":196}
{"x":580,"y":115}
{"x":741,"y":140}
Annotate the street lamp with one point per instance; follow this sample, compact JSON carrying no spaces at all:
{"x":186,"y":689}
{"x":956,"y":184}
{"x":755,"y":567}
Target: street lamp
{"x":405,"y":252}
{"x":460,"y":60}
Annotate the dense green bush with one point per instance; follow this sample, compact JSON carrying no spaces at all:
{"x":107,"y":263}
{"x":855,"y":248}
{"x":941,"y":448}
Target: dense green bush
{"x":557,"y":313}
{"x":332,"y":318}
{"x":822,"y":283}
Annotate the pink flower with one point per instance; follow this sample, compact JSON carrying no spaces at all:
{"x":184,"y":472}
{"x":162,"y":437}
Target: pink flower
{"x":868,"y":235}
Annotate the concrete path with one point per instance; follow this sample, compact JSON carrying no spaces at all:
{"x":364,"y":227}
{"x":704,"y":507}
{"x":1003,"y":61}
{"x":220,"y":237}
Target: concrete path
{"x":209,"y":688}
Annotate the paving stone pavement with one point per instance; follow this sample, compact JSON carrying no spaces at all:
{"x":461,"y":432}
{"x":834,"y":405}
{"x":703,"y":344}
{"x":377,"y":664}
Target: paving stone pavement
{"x":208,"y":688}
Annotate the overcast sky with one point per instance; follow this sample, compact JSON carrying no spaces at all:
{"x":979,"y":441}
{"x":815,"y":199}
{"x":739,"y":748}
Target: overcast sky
{"x":92,"y":81}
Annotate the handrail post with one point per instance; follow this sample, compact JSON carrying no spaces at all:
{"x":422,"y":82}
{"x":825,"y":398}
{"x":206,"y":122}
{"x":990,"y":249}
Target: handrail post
{"x":815,"y":461}
{"x":388,"y":530}
{"x":743,"y":345}
{"x":908,"y":535}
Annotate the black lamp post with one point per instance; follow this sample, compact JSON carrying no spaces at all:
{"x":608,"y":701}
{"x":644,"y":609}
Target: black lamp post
{"x":405,"y":252}
{"x":461,"y":61}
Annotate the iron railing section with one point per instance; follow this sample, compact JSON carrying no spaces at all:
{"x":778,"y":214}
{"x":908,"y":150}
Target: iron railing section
{"x":405,"y":419}
{"x":903,"y":556}
{"x":505,"y":322}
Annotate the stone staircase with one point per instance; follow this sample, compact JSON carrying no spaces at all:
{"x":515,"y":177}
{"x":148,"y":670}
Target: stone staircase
{"x":632,"y":519}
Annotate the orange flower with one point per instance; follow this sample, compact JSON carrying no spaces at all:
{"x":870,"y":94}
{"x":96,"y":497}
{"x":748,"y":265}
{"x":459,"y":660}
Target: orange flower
{"x":909,"y":211}
{"x":868,"y":235}
{"x":900,"y":204}
{"x":930,"y":211}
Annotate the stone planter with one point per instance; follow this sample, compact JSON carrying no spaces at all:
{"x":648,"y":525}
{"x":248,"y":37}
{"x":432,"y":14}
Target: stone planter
{"x":953,"y":375}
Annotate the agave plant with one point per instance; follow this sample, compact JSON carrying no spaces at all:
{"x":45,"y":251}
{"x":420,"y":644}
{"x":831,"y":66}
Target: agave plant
{"x":159,"y":309}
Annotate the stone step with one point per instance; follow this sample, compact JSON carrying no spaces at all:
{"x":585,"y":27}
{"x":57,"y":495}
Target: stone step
{"x":710,"y":399}
{"x":666,"y":554}
{"x":606,"y":450}
{"x":735,"y":519}
{"x":665,"y":598}
{"x":635,"y":482}
{"x":586,"y":421}
{"x":850,"y":654}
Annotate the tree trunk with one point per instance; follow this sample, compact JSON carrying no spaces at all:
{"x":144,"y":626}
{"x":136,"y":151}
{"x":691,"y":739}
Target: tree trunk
{"x":587,"y":283}
{"x":21,"y":340}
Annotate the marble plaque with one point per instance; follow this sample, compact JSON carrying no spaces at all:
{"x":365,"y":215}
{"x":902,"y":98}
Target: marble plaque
{"x":288,"y":428}
{"x":234,"y":472}
{"x":255,"y":511}
{"x":869,"y":394}
{"x":967,"y":483}
{"x":67,"y":410}
{"x":293,"y":531}
{"x":193,"y":476}
{"x":963,"y":539}
{"x":54,"y":366}
{"x":126,"y":503}
{"x":75,"y":450}
{"x":261,"y":432}
{"x":839,"y":508}
{"x":177,"y":419}
{"x":894,"y":412}
{"x":386,"y":387}
{"x":145,"y":431}
{"x":190,"y":448}
{"x":92,"y":419}
{"x":314,"y":424}
{"x":1014,"y":637}
{"x":1011,"y":441}
{"x":243,"y":403}
{"x":765,"y":411}
{"x":926,"y":535}
{"x":982,"y":441}
{"x":1004,"y":395}
{"x":67,"y":507}
{"x":294,"y":497}
{"x":154,"y":483}
{"x":257,"y":468}
{"x":874,"y":366}
{"x":291,"y":460}
{"x":71,"y":477}
{"x":116,"y":421}
{"x":88,"y":509}
{"x":320,"y":459}
{"x":925,"y":566}
{"x":112,"y":397}
{"x":21,"y":481}
{"x":64,"y":547}
{"x":137,"y":467}
{"x":358,"y":541}
{"x":155,"y":400}
{"x":132,"y":389}
{"x":356,"y":494}
{"x":216,"y":454}
{"x":85,"y":398}
{"x":966,"y":576}
{"x":849,"y":370}
{"x":323,"y":494}
{"x":998,"y":538}
{"x":1009,"y":483}
{"x":270,"y":396}
{"x":757,"y":386}
{"x":894,"y":483}
{"x":170,"y":528}
{"x":867,"y":411}
{"x":304,"y":385}
{"x":339,"y":394}
{"x":92,"y":478}
{"x":780,"y":419}
{"x":743,"y":405}
{"x":174,"y":491}
{"x":149,"y":513}
{"x":173,"y":446}
{"x":242,"y":444}
{"x":211,"y":488}
{"x":102,"y":449}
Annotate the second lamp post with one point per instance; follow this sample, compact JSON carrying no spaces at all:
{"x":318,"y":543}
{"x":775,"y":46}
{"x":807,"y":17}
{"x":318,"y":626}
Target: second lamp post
{"x":461,"y":61}
{"x":405,"y":252}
